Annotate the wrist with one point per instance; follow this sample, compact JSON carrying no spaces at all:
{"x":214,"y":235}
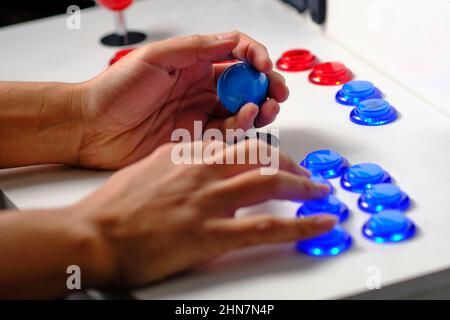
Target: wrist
{"x":40,"y":123}
{"x":96,"y":255}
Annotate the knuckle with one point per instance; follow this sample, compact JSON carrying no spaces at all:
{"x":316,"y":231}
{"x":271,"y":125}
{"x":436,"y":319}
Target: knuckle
{"x":269,"y":224}
{"x":274,"y":181}
{"x":301,"y":229}
{"x":165,"y":148}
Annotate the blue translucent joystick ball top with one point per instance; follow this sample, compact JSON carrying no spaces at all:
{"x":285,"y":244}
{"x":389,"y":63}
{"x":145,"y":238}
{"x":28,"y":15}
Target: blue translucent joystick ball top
{"x":240,"y":84}
{"x":389,"y":226}
{"x":331,"y":243}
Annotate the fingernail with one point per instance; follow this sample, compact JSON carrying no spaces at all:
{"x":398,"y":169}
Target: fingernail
{"x":325,"y":222}
{"x":322,"y":189}
{"x":232,"y":35}
{"x":306,"y":172}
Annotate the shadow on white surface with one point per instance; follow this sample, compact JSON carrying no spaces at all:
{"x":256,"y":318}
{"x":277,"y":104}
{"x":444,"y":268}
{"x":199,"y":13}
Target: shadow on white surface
{"x":46,"y":175}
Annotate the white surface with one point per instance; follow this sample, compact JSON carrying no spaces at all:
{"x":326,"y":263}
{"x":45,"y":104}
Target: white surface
{"x":415,"y":150}
{"x":407,"y":39}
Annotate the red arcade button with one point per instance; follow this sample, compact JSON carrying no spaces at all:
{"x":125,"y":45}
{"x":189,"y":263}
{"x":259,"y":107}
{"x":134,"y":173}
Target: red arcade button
{"x":330,"y":74}
{"x":296,"y":60}
{"x":119,"y":55}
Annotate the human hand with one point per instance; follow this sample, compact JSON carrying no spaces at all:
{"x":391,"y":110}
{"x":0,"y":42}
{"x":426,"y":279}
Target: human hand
{"x":133,"y":107}
{"x":156,"y":218}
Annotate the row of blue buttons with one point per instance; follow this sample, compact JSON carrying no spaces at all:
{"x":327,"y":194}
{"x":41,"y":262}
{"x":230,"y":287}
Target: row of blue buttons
{"x":379,"y":197}
{"x":370,"y":107}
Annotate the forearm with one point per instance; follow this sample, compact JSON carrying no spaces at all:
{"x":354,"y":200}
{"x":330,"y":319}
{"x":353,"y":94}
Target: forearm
{"x":36,"y":248}
{"x":39,"y":123}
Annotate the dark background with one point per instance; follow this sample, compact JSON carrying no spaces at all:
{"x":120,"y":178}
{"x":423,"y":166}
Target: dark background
{"x":15,"y":11}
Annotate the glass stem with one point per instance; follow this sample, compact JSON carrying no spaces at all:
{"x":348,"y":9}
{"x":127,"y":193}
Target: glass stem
{"x":121,"y":26}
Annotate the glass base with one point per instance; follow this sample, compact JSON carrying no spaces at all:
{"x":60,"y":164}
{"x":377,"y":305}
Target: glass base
{"x":116,"y":40}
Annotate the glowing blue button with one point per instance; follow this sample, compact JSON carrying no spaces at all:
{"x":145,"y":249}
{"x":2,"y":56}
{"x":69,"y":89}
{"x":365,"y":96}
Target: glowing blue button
{"x":353,"y":92}
{"x":383,"y":196}
{"x":329,"y":204}
{"x":373,"y":112}
{"x":327,"y":163}
{"x":240,"y":84}
{"x":389,"y":226}
{"x":363,"y":176}
{"x":331,"y":243}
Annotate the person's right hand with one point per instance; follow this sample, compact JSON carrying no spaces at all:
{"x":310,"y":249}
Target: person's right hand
{"x":156,"y":218}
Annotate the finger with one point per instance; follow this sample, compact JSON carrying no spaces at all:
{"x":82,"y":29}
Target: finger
{"x":253,"y":52}
{"x":244,"y":119}
{"x":251,"y":187}
{"x":232,"y":234}
{"x":253,"y":154}
{"x":268,"y":113}
{"x":277,"y":88}
{"x":182,"y":52}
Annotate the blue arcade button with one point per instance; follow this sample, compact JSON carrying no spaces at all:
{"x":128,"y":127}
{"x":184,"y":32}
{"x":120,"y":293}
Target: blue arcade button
{"x":353,"y":92}
{"x":329,"y":204}
{"x":240,"y":84}
{"x":331,"y":243}
{"x":328,"y":163}
{"x":389,"y":226}
{"x":373,"y":112}
{"x":383,"y":196}
{"x":363,"y":176}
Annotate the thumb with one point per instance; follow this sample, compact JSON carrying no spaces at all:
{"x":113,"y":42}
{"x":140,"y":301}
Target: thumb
{"x":182,"y":52}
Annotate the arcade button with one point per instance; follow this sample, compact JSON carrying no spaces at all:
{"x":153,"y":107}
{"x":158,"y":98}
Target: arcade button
{"x":353,"y":92}
{"x":329,"y":204}
{"x":119,"y":55}
{"x":389,"y":226}
{"x":363,"y":176}
{"x":331,"y":243}
{"x":328,"y":163}
{"x":330,"y":74}
{"x":373,"y":112}
{"x":383,"y":196}
{"x":296,"y":60}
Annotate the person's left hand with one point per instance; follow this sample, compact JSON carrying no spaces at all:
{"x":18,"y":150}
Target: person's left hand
{"x":134,"y":106}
